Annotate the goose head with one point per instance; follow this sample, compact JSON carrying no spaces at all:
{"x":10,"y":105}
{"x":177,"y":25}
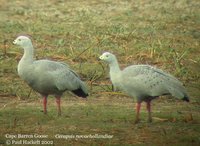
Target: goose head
{"x":107,"y":57}
{"x":23,"y":41}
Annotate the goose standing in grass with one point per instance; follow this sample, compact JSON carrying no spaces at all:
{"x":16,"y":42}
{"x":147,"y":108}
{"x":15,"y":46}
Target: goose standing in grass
{"x":143,"y":82}
{"x":47,"y":77}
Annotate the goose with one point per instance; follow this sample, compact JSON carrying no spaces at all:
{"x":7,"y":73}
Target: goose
{"x":143,"y":82}
{"x":47,"y":77}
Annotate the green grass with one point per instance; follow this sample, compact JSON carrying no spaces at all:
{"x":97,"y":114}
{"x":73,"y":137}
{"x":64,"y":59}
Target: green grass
{"x":160,"y":33}
{"x":102,"y":116}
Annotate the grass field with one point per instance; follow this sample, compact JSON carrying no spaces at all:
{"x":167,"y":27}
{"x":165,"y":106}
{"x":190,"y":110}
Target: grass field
{"x":165,"y":34}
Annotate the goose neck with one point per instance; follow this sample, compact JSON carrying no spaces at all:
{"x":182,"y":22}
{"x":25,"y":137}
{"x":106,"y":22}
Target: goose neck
{"x":114,"y":67}
{"x":28,"y":53}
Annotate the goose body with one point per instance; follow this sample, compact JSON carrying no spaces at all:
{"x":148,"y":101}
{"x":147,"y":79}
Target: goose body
{"x":143,"y":82}
{"x":46,"y":76}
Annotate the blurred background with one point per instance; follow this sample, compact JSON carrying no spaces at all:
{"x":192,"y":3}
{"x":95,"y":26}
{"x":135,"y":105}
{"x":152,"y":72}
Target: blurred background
{"x":165,"y":34}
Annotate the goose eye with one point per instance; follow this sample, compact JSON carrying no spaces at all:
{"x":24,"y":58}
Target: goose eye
{"x":106,"y":55}
{"x":19,"y":39}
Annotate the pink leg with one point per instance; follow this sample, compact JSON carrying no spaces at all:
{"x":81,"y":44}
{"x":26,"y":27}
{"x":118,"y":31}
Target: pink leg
{"x":45,"y":104}
{"x":138,"y":106}
{"x":58,"y":104}
{"x":149,"y":111}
